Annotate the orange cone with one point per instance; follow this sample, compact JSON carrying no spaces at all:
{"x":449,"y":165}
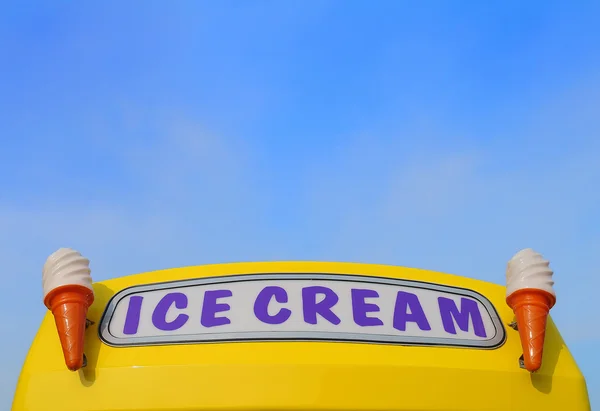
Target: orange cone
{"x":531,"y":308}
{"x":69,"y":305}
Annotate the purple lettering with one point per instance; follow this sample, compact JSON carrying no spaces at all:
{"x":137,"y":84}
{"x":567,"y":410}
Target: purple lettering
{"x":261,"y":306}
{"x":311,"y":308}
{"x":360,"y":308}
{"x":210,"y":308}
{"x":159,"y":316}
{"x":132,"y":318}
{"x":405,"y":302}
{"x":468,"y":309}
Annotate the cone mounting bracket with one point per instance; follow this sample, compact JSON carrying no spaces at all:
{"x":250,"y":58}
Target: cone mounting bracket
{"x":521,"y":361}
{"x":88,"y":323}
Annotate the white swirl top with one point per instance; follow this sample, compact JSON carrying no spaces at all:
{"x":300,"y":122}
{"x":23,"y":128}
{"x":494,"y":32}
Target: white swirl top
{"x":66,"y":267}
{"x":528,"y":269}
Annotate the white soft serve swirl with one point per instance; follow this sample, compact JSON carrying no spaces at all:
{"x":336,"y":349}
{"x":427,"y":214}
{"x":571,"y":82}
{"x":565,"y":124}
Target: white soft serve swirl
{"x":528,"y":269}
{"x":66,"y":267}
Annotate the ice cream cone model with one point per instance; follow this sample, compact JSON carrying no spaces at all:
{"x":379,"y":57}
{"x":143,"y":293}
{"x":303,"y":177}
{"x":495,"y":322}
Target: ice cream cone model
{"x":530,"y":294}
{"x":68,"y":294}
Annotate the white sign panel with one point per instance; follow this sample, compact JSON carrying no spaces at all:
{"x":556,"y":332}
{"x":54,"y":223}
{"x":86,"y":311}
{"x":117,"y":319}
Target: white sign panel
{"x":329,"y":307}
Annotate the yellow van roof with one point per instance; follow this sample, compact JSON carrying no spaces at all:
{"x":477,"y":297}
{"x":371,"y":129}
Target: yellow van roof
{"x":301,"y":374}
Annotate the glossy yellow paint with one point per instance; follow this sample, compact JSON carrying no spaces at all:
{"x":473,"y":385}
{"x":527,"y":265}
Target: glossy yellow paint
{"x":297,"y":375}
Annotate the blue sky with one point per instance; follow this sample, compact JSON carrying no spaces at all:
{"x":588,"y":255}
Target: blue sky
{"x":440,"y":135}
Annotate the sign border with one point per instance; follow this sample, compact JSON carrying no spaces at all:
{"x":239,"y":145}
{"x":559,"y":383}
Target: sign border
{"x":280,"y":336}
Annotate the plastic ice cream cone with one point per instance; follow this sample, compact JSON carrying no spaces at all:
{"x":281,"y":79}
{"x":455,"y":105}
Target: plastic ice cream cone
{"x":530,"y":294}
{"x":69,"y":305}
{"x":68,"y":293}
{"x":531,"y":308}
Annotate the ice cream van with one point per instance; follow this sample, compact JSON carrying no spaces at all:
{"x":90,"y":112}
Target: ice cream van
{"x":298,"y":336}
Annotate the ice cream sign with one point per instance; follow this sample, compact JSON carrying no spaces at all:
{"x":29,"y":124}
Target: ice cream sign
{"x":301,"y":307}
{"x":331,"y":307}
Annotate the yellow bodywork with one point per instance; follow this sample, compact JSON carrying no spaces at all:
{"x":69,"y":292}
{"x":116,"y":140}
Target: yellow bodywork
{"x":297,"y":375}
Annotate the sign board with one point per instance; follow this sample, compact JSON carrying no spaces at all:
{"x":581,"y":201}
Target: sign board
{"x":300,"y":307}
